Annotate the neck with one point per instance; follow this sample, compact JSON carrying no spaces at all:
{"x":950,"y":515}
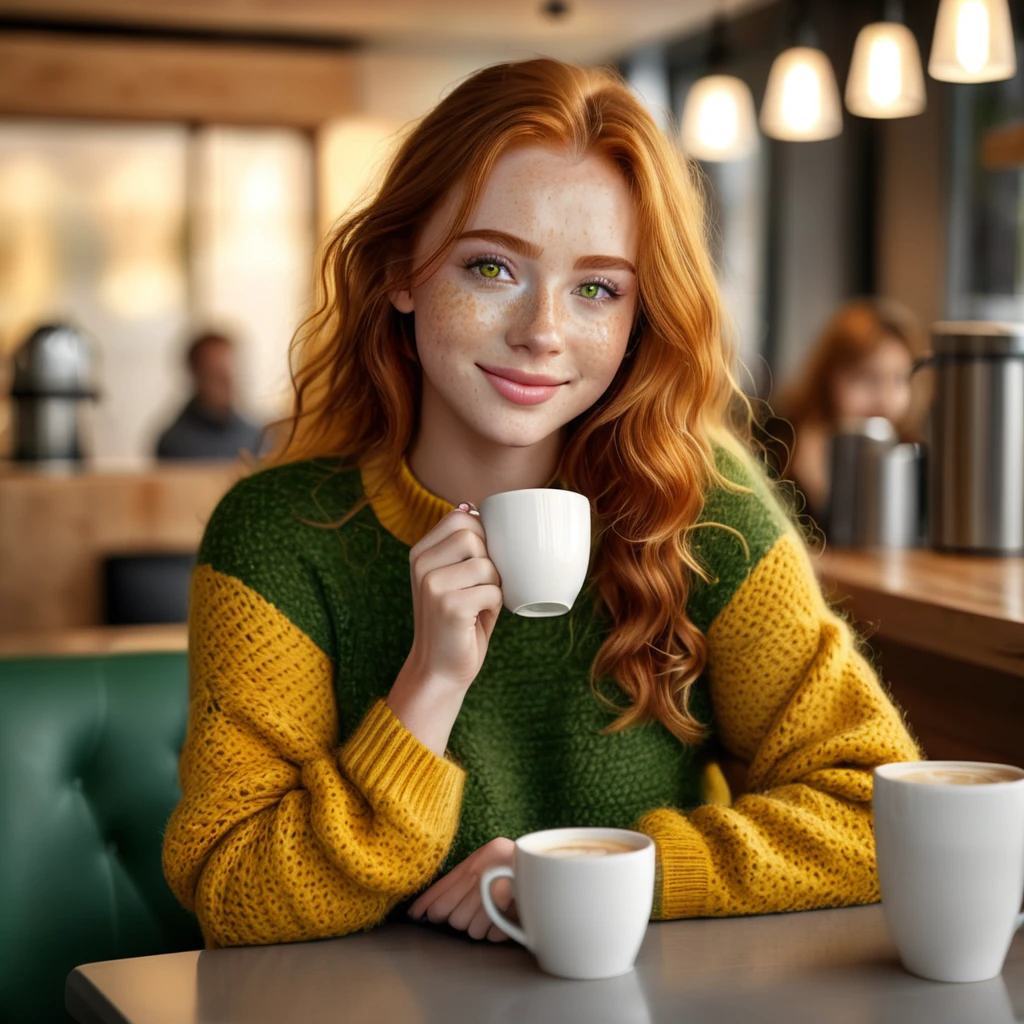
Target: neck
{"x":457,"y":465}
{"x":216,"y":412}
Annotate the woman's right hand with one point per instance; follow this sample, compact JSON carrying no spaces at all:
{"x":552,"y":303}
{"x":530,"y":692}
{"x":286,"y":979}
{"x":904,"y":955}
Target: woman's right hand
{"x":456,"y":598}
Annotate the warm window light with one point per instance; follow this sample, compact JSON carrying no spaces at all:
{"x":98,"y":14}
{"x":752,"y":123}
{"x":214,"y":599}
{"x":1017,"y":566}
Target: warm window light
{"x":801,"y":101}
{"x":973,"y":42}
{"x":885,"y":74}
{"x":718,"y":119}
{"x":352,"y":153}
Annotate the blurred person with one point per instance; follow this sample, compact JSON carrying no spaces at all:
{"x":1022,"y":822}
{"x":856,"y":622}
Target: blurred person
{"x":861,"y":365}
{"x":526,"y":301}
{"x":209,"y":427}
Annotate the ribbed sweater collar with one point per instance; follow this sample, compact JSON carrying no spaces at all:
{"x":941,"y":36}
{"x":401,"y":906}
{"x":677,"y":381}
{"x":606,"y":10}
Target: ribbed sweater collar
{"x":402,"y":505}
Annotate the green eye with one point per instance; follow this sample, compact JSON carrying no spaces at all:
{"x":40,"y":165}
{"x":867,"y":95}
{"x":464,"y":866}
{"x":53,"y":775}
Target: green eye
{"x":590,"y":291}
{"x":490,"y":269}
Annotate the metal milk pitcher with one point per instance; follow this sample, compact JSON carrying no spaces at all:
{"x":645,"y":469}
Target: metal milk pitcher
{"x":976,"y":459}
{"x":874,"y":499}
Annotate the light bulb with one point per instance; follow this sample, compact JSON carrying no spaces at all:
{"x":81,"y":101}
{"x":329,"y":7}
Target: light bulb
{"x":973,"y":42}
{"x":801,"y":100}
{"x":972,"y":29}
{"x":885,"y":74}
{"x":718,"y":119}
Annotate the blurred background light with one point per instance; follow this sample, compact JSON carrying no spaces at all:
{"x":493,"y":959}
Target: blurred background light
{"x":351,"y":154}
{"x":801,"y":100}
{"x":885,"y":77}
{"x":718,"y":121}
{"x":973,"y":42}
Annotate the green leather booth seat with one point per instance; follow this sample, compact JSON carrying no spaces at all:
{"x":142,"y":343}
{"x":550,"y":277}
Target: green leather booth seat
{"x":88,"y":778}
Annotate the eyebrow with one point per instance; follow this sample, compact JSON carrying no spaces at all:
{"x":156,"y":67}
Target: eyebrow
{"x":604,"y":263}
{"x":532,"y":251}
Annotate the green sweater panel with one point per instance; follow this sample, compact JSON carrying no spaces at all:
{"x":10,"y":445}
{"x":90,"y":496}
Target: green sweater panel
{"x":530,"y":734}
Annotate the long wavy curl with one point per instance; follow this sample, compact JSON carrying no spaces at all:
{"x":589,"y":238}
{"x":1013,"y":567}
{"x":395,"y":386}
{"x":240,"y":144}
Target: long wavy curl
{"x":643,"y":454}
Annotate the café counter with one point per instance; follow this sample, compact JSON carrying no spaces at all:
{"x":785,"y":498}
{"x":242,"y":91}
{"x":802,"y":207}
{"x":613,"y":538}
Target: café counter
{"x":57,"y":528}
{"x":947,"y":635}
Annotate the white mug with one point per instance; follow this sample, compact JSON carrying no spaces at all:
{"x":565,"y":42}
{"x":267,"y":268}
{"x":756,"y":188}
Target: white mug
{"x":951,"y":866}
{"x":539,"y":541}
{"x":581,"y":916}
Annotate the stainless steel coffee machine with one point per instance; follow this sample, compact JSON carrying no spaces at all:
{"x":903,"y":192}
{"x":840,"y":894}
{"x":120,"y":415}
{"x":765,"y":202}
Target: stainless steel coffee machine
{"x":976,"y":461}
{"x":53,"y":377}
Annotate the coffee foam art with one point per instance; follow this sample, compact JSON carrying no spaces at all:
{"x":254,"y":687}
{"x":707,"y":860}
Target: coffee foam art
{"x":588,"y":848}
{"x":980,"y":776}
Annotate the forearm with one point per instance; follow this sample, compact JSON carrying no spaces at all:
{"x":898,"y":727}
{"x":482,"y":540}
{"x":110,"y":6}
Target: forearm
{"x":426,"y":707}
{"x":796,"y":703}
{"x":245,"y":898}
{"x":795,"y":849}
{"x":264,"y":854}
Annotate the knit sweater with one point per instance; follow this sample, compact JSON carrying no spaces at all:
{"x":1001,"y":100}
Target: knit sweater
{"x":308,"y":810}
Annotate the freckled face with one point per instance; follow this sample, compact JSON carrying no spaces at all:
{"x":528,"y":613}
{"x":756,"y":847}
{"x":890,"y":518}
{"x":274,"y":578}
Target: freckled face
{"x":525,"y":322}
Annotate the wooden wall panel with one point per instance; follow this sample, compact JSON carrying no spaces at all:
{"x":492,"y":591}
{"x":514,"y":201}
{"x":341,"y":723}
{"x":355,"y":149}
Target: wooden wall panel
{"x":56,"y":530}
{"x":957,"y":710}
{"x":46,"y":75}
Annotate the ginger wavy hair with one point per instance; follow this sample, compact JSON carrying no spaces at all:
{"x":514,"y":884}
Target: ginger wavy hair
{"x":643,"y":454}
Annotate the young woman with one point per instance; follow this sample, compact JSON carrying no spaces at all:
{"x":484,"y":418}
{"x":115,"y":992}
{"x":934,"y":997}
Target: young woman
{"x":526,"y":301}
{"x":860,"y":366}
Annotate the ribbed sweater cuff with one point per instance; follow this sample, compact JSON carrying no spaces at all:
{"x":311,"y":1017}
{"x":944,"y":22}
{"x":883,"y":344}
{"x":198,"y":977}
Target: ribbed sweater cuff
{"x":683,"y":865}
{"x":391,"y":766}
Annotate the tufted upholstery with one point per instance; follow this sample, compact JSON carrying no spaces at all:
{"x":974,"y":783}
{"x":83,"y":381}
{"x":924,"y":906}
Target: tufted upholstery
{"x":88,"y":777}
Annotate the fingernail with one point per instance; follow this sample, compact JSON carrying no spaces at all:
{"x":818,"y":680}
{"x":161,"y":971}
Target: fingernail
{"x":464,"y":506}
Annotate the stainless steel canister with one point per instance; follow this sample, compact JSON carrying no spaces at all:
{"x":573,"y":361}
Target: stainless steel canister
{"x":976,"y":461}
{"x":875,"y":485}
{"x":53,"y":375}
{"x":889,"y":503}
{"x":856,"y":449}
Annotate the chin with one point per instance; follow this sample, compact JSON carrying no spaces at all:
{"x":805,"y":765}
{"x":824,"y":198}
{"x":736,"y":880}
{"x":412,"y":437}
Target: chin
{"x":517,"y":438}
{"x":523,"y":434}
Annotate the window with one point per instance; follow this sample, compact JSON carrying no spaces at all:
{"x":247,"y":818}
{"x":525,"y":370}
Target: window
{"x":142,"y":234}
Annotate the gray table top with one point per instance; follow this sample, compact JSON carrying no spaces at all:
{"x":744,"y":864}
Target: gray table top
{"x":828,"y":965}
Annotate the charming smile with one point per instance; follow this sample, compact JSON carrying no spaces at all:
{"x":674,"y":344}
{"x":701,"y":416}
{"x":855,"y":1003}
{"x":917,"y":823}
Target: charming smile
{"x":521,"y":388}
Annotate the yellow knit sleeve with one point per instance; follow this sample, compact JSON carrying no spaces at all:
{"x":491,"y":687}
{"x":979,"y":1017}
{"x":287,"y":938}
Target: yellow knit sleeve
{"x":281,"y":835}
{"x":799,"y":705}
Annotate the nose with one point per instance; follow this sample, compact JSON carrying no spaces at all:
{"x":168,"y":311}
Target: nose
{"x":538,"y":324}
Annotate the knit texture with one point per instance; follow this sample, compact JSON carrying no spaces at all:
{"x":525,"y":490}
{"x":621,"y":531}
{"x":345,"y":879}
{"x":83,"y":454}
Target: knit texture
{"x":796,"y":702}
{"x":281,"y":834}
{"x":308,"y":810}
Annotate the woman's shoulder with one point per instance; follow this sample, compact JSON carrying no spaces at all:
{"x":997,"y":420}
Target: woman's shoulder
{"x":266,"y":538}
{"x":278,"y":506}
{"x":741,"y":521}
{"x":272,"y":523}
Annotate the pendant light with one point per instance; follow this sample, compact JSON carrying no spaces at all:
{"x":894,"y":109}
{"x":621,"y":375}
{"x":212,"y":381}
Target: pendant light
{"x":885,"y":77}
{"x":718,"y":122}
{"x":973,"y":42}
{"x":801,"y":101}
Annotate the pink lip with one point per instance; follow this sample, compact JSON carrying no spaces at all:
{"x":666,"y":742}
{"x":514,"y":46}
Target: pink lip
{"x":522,"y":388}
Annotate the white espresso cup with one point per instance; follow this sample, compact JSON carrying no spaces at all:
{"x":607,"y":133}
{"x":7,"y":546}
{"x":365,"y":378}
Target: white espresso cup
{"x":539,"y":541}
{"x":950,"y":846}
{"x":583,"y":914}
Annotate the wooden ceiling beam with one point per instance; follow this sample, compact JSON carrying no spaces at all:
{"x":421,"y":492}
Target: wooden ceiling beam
{"x":52,"y":75}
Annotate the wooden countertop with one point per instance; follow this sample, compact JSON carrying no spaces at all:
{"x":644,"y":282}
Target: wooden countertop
{"x":971,"y":609}
{"x":97,"y":640}
{"x":960,"y":606}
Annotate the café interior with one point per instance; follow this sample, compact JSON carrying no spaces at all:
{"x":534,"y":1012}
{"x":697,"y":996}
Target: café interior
{"x":172,"y":170}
